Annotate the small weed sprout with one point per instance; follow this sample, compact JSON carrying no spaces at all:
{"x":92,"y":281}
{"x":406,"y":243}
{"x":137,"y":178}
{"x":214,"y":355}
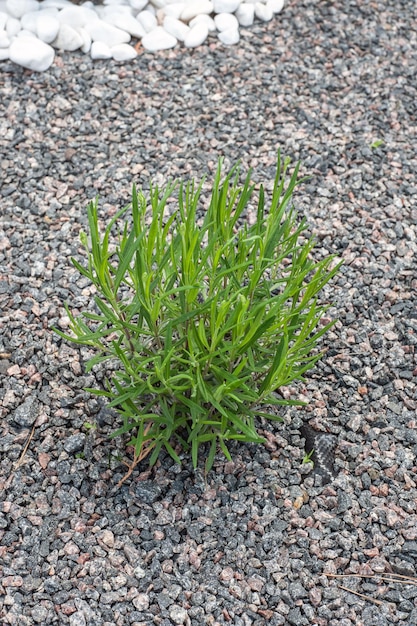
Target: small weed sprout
{"x":308,"y":457}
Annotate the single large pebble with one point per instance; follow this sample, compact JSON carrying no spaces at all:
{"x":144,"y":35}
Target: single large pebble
{"x":223,"y":21}
{"x":110,"y":13}
{"x":196,"y":7}
{"x":74,"y":443}
{"x":31,"y":53}
{"x":225,"y":6}
{"x":196,"y":36}
{"x":148,"y":492}
{"x":138,"y":5}
{"x":230,"y":36}
{"x":26,"y":33}
{"x":4,"y":54}
{"x":126,"y":22}
{"x":263,"y":12}
{"x":47,"y":27}
{"x":4,"y":39}
{"x":29,"y":21}
{"x":109,"y":3}
{"x":86,"y":37}
{"x":276,"y":6}
{"x":147,"y":20}
{"x":123,"y":52}
{"x":3,"y":19}
{"x":26,"y":413}
{"x":158,"y":39}
{"x":13,"y":26}
{"x":101,"y":31}
{"x":178,"y":614}
{"x":175,"y":9}
{"x":68,"y":38}
{"x":107,"y":537}
{"x":88,"y":4}
{"x":76,"y":16}
{"x":57,"y":4}
{"x":246,"y":13}
{"x":100,"y":50}
{"x":113,"y":9}
{"x":203,"y":19}
{"x":17,"y":8}
{"x":175,"y":27}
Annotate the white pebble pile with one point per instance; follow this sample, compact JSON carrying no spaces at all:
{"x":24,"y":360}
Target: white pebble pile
{"x":31,"y":30}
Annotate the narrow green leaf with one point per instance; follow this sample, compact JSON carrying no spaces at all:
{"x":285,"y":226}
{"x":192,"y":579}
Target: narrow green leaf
{"x":211,"y":454}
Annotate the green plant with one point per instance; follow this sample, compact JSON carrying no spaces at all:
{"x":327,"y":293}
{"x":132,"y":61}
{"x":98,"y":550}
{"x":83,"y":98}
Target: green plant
{"x":204,"y":320}
{"x":375,"y":144}
{"x":308,"y":457}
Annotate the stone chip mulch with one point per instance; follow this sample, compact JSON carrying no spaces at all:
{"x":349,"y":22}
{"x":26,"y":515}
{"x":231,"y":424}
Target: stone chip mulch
{"x":257,"y":541}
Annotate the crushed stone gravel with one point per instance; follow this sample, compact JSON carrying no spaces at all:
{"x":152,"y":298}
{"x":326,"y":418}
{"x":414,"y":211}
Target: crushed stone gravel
{"x":256,"y":541}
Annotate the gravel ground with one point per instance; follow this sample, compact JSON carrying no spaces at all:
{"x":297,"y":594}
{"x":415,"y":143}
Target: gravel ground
{"x":256,"y":541}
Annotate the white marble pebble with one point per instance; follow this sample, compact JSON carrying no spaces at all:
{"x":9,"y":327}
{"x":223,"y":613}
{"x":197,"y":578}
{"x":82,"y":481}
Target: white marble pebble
{"x":26,"y":33}
{"x":100,"y":50}
{"x":147,"y":20}
{"x":117,"y":5}
{"x":175,"y":27}
{"x":76,"y":16}
{"x":31,"y":53}
{"x":17,"y":8}
{"x":225,"y":6}
{"x":68,"y":38}
{"x":101,"y":31}
{"x":161,"y":4}
{"x":47,"y":27}
{"x":196,"y":7}
{"x":58,"y":4}
{"x":3,"y":20}
{"x":175,"y":9}
{"x":4,"y":39}
{"x":127,"y":22}
{"x":4,"y":54}
{"x":13,"y":26}
{"x":158,"y":39}
{"x":196,"y":35}
{"x":29,"y":21}
{"x":230,"y":36}
{"x":245,"y":14}
{"x":123,"y":52}
{"x":138,"y":4}
{"x":276,"y":6}
{"x":112,"y":10}
{"x":223,"y":21}
{"x":151,"y":9}
{"x":203,"y":19}
{"x":86,"y":37}
{"x":263,"y":12}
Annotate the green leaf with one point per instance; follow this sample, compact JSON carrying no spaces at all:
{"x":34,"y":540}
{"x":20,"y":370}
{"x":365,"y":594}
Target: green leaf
{"x":211,"y":454}
{"x":277,"y":364}
{"x":129,"y":250}
{"x":375,"y":144}
{"x":172,"y":452}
